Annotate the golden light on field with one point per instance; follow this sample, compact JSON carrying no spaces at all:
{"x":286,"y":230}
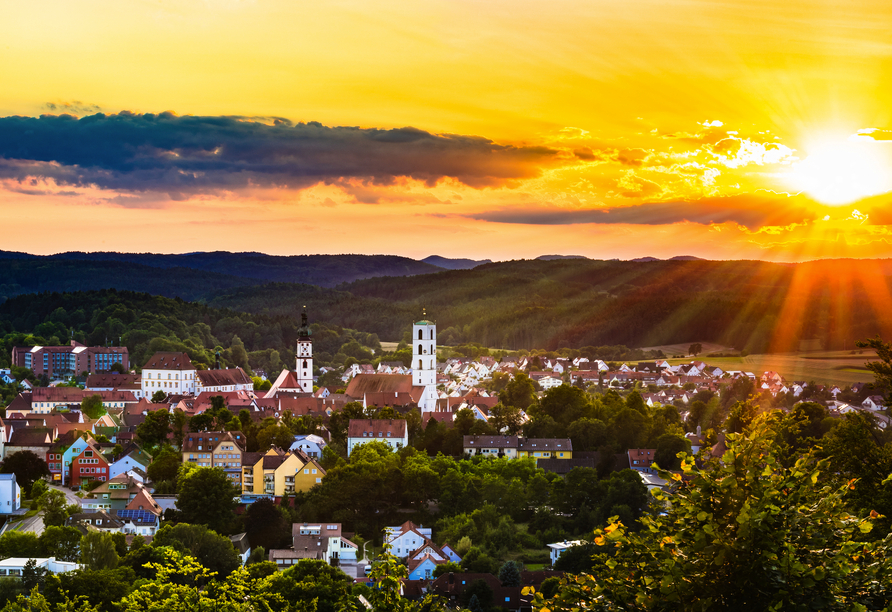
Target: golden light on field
{"x":838,"y":172}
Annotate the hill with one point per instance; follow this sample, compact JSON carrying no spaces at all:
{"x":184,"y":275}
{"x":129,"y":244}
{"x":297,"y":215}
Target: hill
{"x":454,"y":264}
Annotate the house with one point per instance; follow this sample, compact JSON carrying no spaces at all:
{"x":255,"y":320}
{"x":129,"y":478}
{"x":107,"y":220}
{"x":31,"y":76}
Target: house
{"x":547,"y":448}
{"x":422,"y":568}
{"x":89,"y":464}
{"x":114,"y":494}
{"x":558,"y":548}
{"x":310,"y":444}
{"x":278,"y":473}
{"x":452,"y":586}
{"x":550,"y":382}
{"x":323,"y":541}
{"x":490,"y":446}
{"x":391,"y":431}
{"x":10,"y":494}
{"x":95,"y":519}
{"x":242,"y":546}
{"x":221,"y":449}
{"x":74,"y":359}
{"x":229,"y":379}
{"x":14,"y":566}
{"x":132,"y":458}
{"x":874,"y":403}
{"x":138,"y":522}
{"x":406,"y":538}
{"x":642,"y":459}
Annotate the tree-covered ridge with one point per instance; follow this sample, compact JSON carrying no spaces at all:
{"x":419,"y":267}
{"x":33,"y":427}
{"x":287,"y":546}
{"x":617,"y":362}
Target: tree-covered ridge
{"x":146,"y":324}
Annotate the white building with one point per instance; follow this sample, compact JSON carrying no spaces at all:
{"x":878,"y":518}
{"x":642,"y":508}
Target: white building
{"x":557,"y":548}
{"x":550,"y":382}
{"x":406,"y":538}
{"x":13,"y":566}
{"x":424,"y":363}
{"x":311,"y":444}
{"x":392,"y":431}
{"x":172,"y":373}
{"x":303,"y":367}
{"x":10,"y":494}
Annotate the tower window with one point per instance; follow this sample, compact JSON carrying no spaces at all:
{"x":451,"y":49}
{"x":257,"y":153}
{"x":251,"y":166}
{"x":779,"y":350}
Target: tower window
{"x":305,"y":363}
{"x":420,"y":365}
{"x":420,"y":332}
{"x":419,"y":349}
{"x":432,"y":334}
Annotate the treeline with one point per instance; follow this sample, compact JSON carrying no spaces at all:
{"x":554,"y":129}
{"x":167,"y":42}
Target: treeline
{"x":146,"y":324}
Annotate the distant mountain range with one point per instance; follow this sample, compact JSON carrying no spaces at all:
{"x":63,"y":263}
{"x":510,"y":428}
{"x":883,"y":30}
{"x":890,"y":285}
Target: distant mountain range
{"x":676,"y":258}
{"x":537,"y":303}
{"x":454,"y":264}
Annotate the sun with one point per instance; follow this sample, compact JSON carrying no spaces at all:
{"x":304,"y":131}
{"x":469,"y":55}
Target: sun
{"x":842,"y":171}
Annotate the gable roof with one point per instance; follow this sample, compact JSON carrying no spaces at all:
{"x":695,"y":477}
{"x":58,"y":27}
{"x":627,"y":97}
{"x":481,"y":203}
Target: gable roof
{"x":387,"y":428}
{"x":223,"y":378}
{"x":378,"y":383}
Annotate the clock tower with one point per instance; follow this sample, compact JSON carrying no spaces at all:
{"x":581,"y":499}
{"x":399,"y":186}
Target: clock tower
{"x":303,"y":370}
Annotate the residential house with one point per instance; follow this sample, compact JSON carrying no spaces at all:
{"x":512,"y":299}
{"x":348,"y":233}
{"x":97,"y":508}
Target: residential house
{"x":96,"y":519}
{"x":452,"y":587}
{"x":310,"y":444}
{"x":545,"y":448}
{"x":550,"y":382}
{"x":641,"y":459}
{"x":14,"y":566}
{"x":221,"y":449}
{"x":10,"y":494}
{"x":89,"y":464}
{"x":874,"y":403}
{"x":391,"y":431}
{"x":558,"y":548}
{"x":490,"y":446}
{"x":323,"y":541}
{"x":406,"y":538}
{"x":242,"y":546}
{"x":278,"y":472}
{"x":133,"y":457}
{"x":74,"y":359}
{"x":229,"y":379}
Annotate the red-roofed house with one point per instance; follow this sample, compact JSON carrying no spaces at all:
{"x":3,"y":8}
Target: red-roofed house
{"x":392,"y":431}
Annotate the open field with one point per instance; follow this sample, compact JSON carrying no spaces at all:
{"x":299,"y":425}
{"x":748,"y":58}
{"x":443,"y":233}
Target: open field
{"x":832,"y":367}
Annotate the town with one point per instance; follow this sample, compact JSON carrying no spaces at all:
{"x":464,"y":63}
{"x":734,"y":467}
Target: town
{"x":291,"y":472}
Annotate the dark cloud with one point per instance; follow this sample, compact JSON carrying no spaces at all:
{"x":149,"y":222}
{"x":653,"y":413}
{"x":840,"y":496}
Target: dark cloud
{"x":75,"y":107}
{"x":752,"y":211}
{"x":185,"y":155}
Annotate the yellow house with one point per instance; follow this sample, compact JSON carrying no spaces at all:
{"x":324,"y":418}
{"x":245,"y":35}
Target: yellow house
{"x":545,"y":448}
{"x":278,"y":472}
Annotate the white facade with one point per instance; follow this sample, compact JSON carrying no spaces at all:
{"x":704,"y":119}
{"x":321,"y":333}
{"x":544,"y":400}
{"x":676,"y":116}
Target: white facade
{"x":550,"y":382}
{"x":10,"y":494}
{"x":406,"y":538}
{"x":303,"y":367}
{"x":424,"y":363}
{"x":13,"y":566}
{"x":559,"y":547}
{"x":172,"y":382}
{"x":311,"y":444}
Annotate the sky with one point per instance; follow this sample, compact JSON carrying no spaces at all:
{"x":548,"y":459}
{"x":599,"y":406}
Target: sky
{"x":501,"y":130}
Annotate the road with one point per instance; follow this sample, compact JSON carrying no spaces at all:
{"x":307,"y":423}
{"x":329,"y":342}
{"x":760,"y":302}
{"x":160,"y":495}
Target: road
{"x":72,"y":497}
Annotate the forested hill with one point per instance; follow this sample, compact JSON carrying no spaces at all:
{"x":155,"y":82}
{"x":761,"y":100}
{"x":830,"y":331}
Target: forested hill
{"x":220,"y":269}
{"x":750,"y":305}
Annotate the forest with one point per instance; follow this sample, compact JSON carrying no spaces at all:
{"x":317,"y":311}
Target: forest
{"x":748,"y":305}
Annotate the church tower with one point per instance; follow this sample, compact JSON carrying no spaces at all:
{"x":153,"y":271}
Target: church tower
{"x":303,"y":370}
{"x":424,"y":362}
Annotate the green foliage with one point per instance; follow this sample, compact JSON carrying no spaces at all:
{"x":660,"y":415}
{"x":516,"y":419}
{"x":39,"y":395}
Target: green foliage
{"x":164,"y":465}
{"x":207,"y":497}
{"x":509,"y":574}
{"x":743,"y":533}
{"x":266,"y":525}
{"x":27,"y":467}
{"x":213,"y":551}
{"x":98,"y":551}
{"x":92,"y":407}
{"x":154,"y":430}
{"x":55,"y":507}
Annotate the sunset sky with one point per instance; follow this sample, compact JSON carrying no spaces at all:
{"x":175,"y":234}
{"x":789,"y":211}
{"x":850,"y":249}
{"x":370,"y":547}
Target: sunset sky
{"x":484,"y":129}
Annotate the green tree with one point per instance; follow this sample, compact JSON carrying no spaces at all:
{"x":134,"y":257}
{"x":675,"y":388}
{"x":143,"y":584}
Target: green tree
{"x":213,"y":551}
{"x":309,"y":580}
{"x":695,"y":349}
{"x":520,"y":392}
{"x":20,"y":544}
{"x":882,"y":369}
{"x":92,"y":406}
{"x":266,"y":525}
{"x":55,"y":507}
{"x":26,"y":466}
{"x":667,"y":448}
{"x":509,"y":574}
{"x":164,"y":465}
{"x":158,"y":397}
{"x":743,"y":533}
{"x":98,"y":551}
{"x":208,"y":497}
{"x":63,"y":543}
{"x":155,"y":428}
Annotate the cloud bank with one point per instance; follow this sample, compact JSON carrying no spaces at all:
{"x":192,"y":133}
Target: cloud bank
{"x":186,"y":155}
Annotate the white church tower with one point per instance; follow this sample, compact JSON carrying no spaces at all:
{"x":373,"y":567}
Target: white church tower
{"x":424,"y":362}
{"x":303,"y":370}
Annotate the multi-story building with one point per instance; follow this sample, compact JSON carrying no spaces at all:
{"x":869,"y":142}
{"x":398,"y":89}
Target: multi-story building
{"x":392,"y":431}
{"x":89,"y":464}
{"x":220,"y":381}
{"x":513,"y":447}
{"x":172,"y":373}
{"x":75,"y":359}
{"x":222,"y":449}
{"x":278,"y":472}
{"x":44,"y":400}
